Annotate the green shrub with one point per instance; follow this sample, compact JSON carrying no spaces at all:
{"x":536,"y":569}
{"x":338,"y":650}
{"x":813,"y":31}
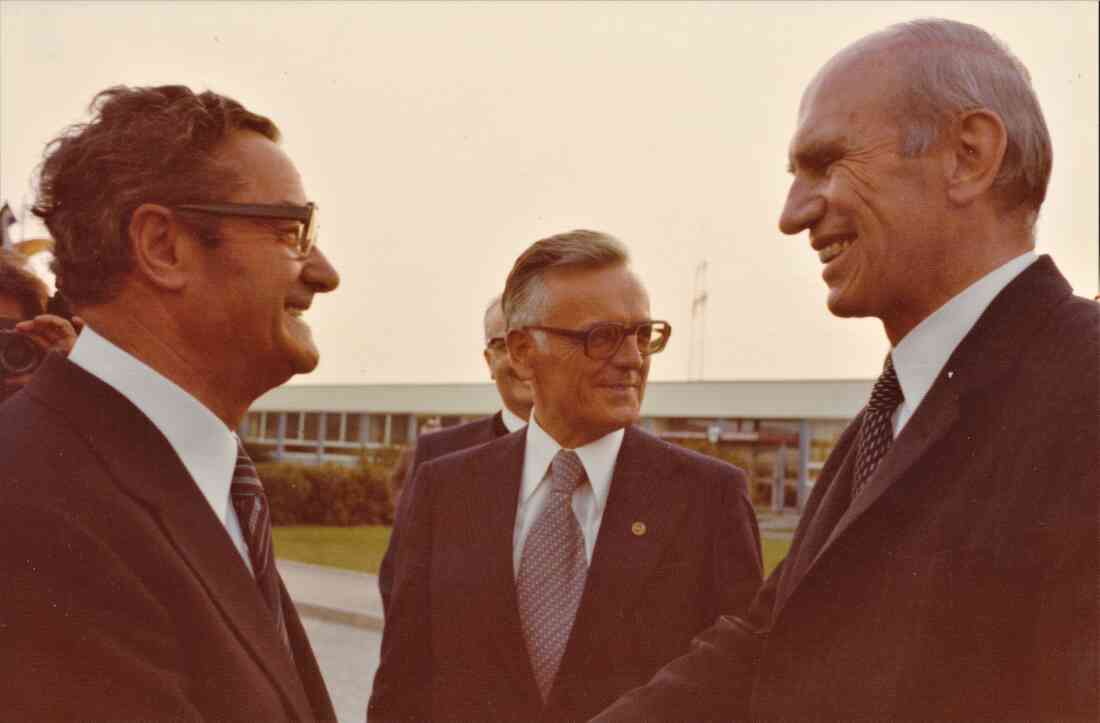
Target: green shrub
{"x":288,"y":491}
{"x":328,"y":494}
{"x":737,"y":456}
{"x":384,"y":457}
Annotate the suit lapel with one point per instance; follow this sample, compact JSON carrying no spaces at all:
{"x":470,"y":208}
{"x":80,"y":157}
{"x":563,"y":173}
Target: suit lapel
{"x":983,"y":356}
{"x":642,"y":491}
{"x":491,"y":516}
{"x":935,"y":418}
{"x":497,"y":427}
{"x":831,"y":498}
{"x":145,"y":466}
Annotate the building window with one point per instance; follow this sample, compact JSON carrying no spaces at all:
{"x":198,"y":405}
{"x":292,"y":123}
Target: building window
{"x":252,"y":424}
{"x":332,"y":426}
{"x":351,"y":432}
{"x":311,"y":422}
{"x":376,"y":429}
{"x":271,"y":425}
{"x":399,"y":429}
{"x":293,"y":425}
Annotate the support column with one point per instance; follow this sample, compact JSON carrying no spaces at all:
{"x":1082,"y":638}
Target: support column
{"x":411,"y":436}
{"x":280,"y":437}
{"x":322,"y":429}
{"x":780,"y":478}
{"x":389,"y":426}
{"x":804,"y":440}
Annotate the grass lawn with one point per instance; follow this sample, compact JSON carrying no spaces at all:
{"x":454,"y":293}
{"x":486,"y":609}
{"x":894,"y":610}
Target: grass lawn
{"x":361,"y":548}
{"x":775,"y":549}
{"x":352,"y":548}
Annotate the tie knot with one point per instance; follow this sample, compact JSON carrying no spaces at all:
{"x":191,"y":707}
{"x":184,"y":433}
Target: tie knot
{"x":566,"y":472}
{"x":244,"y":472}
{"x":886,"y":394}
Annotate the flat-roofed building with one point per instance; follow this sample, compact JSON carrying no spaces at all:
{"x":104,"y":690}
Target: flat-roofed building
{"x":782,"y":431}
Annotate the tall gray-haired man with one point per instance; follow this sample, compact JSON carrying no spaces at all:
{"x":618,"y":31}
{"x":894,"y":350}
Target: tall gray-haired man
{"x":945,"y":567}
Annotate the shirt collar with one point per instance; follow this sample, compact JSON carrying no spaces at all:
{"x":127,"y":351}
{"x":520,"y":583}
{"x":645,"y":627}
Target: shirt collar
{"x":598,"y":458}
{"x":919,"y":357}
{"x":512,"y":422}
{"x":207,"y":448}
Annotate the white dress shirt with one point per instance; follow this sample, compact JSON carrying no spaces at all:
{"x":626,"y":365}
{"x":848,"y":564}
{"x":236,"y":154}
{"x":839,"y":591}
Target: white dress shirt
{"x":920,"y":356}
{"x":589,"y":499}
{"x":511,"y":421}
{"x":207,"y":448}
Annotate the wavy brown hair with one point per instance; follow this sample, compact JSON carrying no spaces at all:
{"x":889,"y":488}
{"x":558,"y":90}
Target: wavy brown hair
{"x":142,"y":145}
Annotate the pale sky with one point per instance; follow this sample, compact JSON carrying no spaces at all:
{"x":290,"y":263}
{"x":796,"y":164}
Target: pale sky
{"x":440,"y":140}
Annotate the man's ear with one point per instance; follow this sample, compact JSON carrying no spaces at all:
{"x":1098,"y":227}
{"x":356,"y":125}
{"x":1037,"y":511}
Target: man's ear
{"x":161,"y":250}
{"x":978,"y":153}
{"x":521,"y":352}
{"x":489,"y":363}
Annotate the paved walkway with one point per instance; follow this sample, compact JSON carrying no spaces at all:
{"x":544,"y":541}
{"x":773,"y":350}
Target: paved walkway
{"x":333,"y":595}
{"x":778,"y":524}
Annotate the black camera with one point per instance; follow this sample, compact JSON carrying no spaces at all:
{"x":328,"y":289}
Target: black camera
{"x":18,"y":354}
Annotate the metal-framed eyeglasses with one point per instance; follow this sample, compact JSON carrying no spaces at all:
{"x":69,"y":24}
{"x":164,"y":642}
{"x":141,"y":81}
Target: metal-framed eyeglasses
{"x":603,"y":341}
{"x":306,"y":217}
{"x":497,"y":343}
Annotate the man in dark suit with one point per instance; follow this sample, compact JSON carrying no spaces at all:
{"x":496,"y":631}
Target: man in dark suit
{"x":137,"y":558}
{"x":515,"y":395}
{"x":546,"y":572}
{"x":945,"y":567}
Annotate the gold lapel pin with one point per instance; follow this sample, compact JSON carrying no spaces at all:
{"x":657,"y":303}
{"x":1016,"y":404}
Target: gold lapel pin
{"x":638,"y":528}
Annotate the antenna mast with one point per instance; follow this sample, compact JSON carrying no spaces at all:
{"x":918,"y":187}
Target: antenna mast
{"x":698,"y":322}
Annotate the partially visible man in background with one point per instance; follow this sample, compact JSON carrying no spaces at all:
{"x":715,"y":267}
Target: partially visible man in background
{"x":945,"y":566}
{"x":136,"y":556}
{"x":515,"y":393}
{"x":27,"y":332}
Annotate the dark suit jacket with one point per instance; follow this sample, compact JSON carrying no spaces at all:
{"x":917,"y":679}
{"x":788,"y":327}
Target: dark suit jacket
{"x":429,"y":447}
{"x":453,"y":646}
{"x":962,"y":583}
{"x":124,"y":597}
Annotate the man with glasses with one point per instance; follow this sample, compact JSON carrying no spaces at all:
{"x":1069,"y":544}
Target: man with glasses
{"x":515,"y":395}
{"x":547,"y":572}
{"x":137,"y":549}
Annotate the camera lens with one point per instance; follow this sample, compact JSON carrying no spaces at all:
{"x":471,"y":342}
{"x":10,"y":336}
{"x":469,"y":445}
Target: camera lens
{"x":18,"y":354}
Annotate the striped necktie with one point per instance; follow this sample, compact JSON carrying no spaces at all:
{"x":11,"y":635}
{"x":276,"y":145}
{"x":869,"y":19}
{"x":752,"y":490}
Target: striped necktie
{"x":250,"y":502}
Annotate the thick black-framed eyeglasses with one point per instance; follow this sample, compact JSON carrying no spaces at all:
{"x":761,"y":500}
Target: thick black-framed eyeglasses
{"x":603,"y":341}
{"x":306,"y":216}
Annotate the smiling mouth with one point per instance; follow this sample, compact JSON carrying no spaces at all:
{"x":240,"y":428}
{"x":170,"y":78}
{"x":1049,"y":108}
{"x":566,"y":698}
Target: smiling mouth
{"x":835,"y":249}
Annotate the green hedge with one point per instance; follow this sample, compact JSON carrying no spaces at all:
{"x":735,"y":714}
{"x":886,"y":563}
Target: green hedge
{"x":327,"y":494}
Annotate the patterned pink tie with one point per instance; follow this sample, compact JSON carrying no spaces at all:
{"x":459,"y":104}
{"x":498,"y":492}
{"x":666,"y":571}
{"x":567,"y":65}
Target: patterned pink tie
{"x":552,"y":571}
{"x":252,"y":511}
{"x":876,"y":433}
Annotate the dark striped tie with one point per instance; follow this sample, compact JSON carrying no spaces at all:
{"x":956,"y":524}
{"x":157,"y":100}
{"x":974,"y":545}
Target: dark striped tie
{"x":876,"y":433}
{"x":252,"y":511}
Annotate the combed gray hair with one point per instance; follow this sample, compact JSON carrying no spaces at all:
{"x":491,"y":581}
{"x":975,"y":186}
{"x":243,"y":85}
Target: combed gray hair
{"x":494,"y":303}
{"x":956,"y":67}
{"x":526,"y":299}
